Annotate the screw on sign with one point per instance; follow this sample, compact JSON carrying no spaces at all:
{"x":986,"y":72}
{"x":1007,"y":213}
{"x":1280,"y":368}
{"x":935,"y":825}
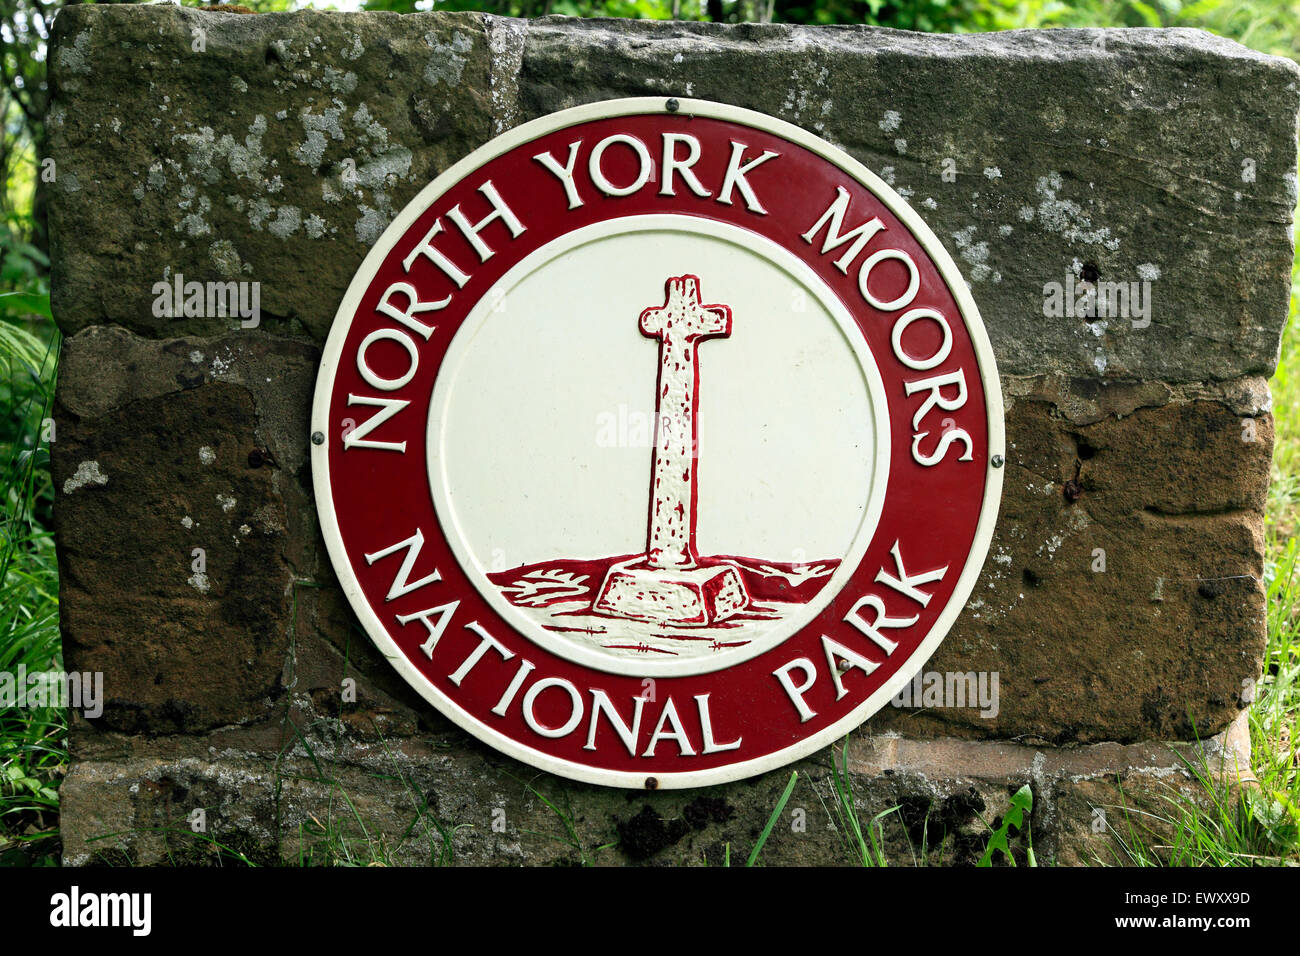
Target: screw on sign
{"x":816,"y":504}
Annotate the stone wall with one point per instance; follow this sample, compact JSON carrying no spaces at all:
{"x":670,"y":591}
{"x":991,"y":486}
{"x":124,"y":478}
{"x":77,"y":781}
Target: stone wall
{"x":276,"y":148}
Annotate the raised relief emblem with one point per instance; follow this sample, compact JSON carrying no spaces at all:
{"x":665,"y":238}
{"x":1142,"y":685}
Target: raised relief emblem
{"x":657,"y":447}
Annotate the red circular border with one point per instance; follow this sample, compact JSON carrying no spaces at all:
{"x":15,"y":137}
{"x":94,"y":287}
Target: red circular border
{"x":379,"y":497}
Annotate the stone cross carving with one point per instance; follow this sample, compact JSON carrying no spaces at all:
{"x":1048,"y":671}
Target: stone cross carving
{"x":678,"y":325}
{"x":669,"y":585}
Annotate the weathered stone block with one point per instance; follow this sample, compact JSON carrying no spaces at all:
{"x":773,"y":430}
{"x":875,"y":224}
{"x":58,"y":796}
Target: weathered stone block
{"x":420,"y":803}
{"x":277,"y":154}
{"x":1129,"y":605}
{"x":281,"y":151}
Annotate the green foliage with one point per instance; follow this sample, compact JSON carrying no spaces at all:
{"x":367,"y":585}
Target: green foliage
{"x":565,"y":816}
{"x":24,"y":290}
{"x":1267,"y":25}
{"x":865,"y":845}
{"x":32,"y":748}
{"x":1216,"y":822}
{"x":184,"y":848}
{"x":1022,"y":804}
{"x":628,"y":9}
{"x":1277,"y":817}
{"x":771,"y":821}
{"x":342,"y":838}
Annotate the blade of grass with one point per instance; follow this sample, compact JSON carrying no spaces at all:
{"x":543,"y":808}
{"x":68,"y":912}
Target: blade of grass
{"x":771,"y":821}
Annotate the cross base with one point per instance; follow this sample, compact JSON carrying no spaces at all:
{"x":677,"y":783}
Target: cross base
{"x":685,"y":597}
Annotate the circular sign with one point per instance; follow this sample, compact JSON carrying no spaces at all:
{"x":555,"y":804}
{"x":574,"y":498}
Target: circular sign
{"x":657,"y":443}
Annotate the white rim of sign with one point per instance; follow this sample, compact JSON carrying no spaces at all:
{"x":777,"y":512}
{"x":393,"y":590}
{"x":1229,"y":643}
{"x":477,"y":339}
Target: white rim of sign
{"x":683,"y":107}
{"x":778,"y":257}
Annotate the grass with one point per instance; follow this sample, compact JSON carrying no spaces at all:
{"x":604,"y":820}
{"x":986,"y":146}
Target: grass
{"x":865,"y":845}
{"x":863,"y":842}
{"x":1262,"y":825}
{"x":32,"y":740}
{"x":1221,"y":824}
{"x":771,"y":821}
{"x":1216,"y":823}
{"x":565,"y":815}
{"x":343,"y":838}
{"x":1275,"y":714}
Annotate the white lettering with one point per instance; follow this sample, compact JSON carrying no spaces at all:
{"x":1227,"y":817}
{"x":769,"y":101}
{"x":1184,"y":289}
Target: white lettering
{"x":575,"y":713}
{"x":372,"y":378}
{"x":444,"y":613}
{"x":499,"y":211}
{"x":836,"y":651}
{"x":906,"y":584}
{"x":706,"y":725}
{"x":834,"y":215}
{"x":901,"y":326}
{"x":673,"y":165}
{"x":873,"y":630}
{"x":945,"y":442}
{"x":795,"y":694}
{"x":600,"y":703}
{"x":669,"y":716}
{"x":564,"y":173}
{"x":413,"y":305}
{"x":486,"y":640}
{"x":933,"y":385}
{"x":426,"y":249}
{"x":401,"y":581}
{"x":525,"y":668}
{"x":735,"y":178}
{"x":904,"y":300}
{"x":598,"y":175}
{"x":356,"y":436}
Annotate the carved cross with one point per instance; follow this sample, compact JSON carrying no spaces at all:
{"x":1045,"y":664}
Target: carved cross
{"x":679,"y":325}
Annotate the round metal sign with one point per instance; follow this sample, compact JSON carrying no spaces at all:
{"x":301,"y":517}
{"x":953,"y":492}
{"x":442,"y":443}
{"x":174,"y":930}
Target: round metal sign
{"x":656,"y":443}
